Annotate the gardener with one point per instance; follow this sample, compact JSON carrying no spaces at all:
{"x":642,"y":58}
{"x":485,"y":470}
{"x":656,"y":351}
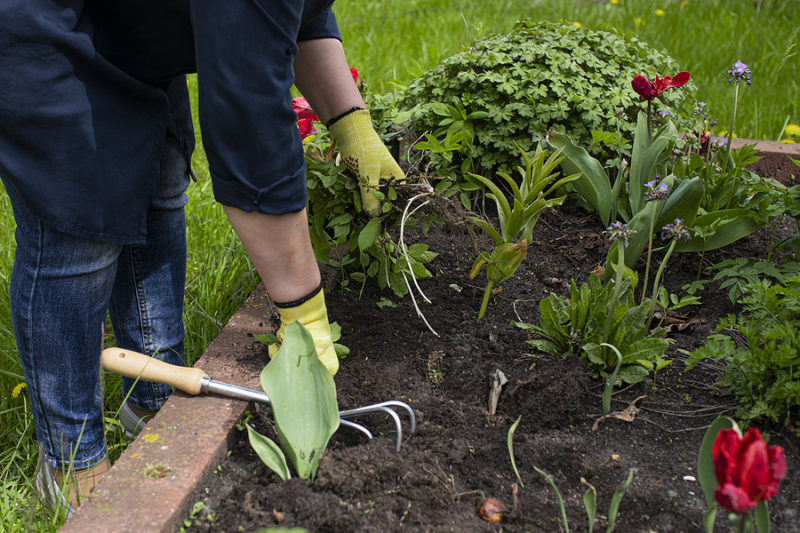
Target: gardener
{"x":95,"y":143}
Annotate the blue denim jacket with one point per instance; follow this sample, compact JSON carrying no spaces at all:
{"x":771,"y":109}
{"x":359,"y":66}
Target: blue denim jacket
{"x":89,"y":89}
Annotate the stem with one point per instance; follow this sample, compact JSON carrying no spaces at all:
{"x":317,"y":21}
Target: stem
{"x":617,"y":289}
{"x":486,"y":294}
{"x":730,"y":129}
{"x":649,"y":253}
{"x":649,"y":122}
{"x":657,"y":280}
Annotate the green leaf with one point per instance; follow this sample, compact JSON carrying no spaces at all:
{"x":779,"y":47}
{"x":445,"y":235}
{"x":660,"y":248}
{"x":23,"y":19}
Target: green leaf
{"x":590,"y":503}
{"x":730,"y":226}
{"x":615,"y":501}
{"x":266,"y":338}
{"x":369,"y":234}
{"x":705,"y":461}
{"x":510,"y":442}
{"x":303,"y":397}
{"x":269,"y":452}
{"x":762,"y":517}
{"x":594,"y":185}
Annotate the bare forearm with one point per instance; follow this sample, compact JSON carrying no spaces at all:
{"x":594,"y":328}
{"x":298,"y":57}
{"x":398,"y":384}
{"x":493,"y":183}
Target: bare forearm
{"x":280,"y":248}
{"x":323,"y":76}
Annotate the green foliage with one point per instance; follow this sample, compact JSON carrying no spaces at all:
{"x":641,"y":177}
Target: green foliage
{"x":514,"y":88}
{"x":344,"y":236}
{"x":303,"y":398}
{"x":578,"y":325}
{"x":741,"y":272}
{"x":530,"y":200}
{"x":762,"y":371}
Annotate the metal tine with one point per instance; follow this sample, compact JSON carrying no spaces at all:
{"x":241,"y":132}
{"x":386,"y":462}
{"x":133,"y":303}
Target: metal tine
{"x":385,"y":407}
{"x":358,"y":427}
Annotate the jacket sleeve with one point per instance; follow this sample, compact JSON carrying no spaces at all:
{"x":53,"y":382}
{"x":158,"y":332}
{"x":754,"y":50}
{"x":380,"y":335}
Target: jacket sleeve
{"x":320,"y":27}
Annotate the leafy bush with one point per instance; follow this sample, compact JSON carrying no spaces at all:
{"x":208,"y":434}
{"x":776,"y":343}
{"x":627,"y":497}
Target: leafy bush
{"x":589,"y":318}
{"x":514,"y":88}
{"x":763,"y":370}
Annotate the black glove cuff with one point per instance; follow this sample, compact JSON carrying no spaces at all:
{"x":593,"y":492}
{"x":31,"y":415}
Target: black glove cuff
{"x":337,"y":118}
{"x":300,"y":301}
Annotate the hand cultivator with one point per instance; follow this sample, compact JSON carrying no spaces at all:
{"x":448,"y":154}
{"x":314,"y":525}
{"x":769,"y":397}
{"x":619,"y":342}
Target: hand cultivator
{"x":195,"y":381}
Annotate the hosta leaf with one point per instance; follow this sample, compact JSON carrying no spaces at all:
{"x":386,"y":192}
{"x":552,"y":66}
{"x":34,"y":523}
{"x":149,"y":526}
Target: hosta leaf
{"x":269,"y":452}
{"x":303,"y":397}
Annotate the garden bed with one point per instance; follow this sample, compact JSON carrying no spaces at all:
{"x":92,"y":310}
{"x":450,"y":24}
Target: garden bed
{"x":459,"y":456}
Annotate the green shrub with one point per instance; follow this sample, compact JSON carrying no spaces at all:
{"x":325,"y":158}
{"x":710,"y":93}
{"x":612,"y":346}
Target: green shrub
{"x":516,"y":87}
{"x":763,"y":370}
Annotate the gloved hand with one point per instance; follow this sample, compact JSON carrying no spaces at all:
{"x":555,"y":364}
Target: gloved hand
{"x":365,"y":154}
{"x":314,"y":316}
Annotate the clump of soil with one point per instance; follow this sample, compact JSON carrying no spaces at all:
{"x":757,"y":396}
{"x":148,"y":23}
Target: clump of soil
{"x":458,"y":455}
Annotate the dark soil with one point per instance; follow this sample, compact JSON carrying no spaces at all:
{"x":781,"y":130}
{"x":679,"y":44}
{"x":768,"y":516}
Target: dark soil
{"x":458,"y":455}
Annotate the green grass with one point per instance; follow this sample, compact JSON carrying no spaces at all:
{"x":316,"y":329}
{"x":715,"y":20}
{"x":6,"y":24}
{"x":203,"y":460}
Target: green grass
{"x":391,"y":43}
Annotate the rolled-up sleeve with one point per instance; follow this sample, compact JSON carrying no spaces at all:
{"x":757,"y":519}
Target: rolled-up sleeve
{"x":245,"y":63}
{"x":323,"y":26}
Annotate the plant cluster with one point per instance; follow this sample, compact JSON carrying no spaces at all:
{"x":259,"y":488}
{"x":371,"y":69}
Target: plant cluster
{"x":342,"y":234}
{"x":544,"y":76}
{"x":762,"y":371}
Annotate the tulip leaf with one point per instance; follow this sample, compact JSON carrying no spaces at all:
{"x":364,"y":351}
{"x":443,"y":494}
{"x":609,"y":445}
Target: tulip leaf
{"x":705,"y":460}
{"x":510,"y":442}
{"x":762,"y":517}
{"x":729,"y":225}
{"x":590,"y":503}
{"x":269,"y":452}
{"x":303,"y":396}
{"x":615,"y":501}
{"x":594,"y":186}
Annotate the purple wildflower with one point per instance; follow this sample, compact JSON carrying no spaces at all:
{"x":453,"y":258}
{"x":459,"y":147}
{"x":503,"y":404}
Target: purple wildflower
{"x":739,"y":72}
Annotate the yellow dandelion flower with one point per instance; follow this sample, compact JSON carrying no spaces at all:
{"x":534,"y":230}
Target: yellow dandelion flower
{"x":577,"y":24}
{"x":790,"y":141}
{"x":793,"y":130}
{"x":613,"y":2}
{"x":638,"y":21}
{"x":15,"y":392}
{"x":659,"y":12}
{"x":685,"y":3}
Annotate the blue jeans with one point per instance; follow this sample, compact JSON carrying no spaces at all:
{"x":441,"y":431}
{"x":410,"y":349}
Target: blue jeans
{"x":62,"y":288}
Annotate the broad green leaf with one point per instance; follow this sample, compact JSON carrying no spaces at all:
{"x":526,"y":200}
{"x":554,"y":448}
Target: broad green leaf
{"x":705,"y":461}
{"x":303,"y":397}
{"x":594,"y":185}
{"x":269,"y":452}
{"x":762,"y":517}
{"x":369,"y":235}
{"x":736,"y":224}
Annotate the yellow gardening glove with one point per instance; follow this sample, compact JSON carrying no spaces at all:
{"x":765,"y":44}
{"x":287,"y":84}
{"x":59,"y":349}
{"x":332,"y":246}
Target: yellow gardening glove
{"x":365,"y":155}
{"x":314,"y":316}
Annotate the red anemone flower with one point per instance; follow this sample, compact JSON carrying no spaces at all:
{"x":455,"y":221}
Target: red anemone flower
{"x":649,"y":90}
{"x":747,"y":470}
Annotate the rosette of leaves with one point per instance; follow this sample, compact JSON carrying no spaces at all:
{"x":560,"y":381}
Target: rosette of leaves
{"x":581,"y":323}
{"x":514,"y":88}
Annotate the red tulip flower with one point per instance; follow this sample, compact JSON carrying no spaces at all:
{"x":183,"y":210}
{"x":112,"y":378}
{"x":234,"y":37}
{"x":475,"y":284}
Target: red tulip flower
{"x":649,"y":90}
{"x":747,"y":470}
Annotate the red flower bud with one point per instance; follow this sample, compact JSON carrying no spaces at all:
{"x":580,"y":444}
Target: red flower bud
{"x":747,"y":470}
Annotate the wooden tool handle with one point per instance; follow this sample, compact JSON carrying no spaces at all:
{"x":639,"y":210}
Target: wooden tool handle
{"x":136,"y":365}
